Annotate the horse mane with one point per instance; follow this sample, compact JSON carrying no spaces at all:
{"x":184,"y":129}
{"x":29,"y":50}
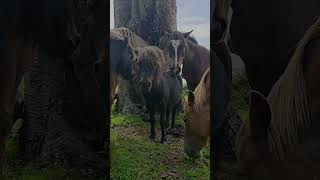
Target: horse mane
{"x":153,"y":58}
{"x":202,"y":93}
{"x":288,"y":101}
{"x":121,"y":33}
{"x":192,"y":39}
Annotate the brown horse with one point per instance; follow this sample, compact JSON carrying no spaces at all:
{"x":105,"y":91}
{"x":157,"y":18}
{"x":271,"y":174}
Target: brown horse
{"x":281,"y":139}
{"x":53,"y":27}
{"x":197,"y":118}
{"x":180,"y":50}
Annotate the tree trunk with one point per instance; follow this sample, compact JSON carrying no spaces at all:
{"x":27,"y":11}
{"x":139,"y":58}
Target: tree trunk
{"x":58,"y":127}
{"x":148,"y":19}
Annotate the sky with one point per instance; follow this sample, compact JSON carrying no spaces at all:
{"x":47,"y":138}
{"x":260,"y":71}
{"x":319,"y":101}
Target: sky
{"x":191,"y":15}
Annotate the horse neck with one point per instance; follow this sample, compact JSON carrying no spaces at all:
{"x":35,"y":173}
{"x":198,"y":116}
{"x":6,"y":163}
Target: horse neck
{"x":190,"y":49}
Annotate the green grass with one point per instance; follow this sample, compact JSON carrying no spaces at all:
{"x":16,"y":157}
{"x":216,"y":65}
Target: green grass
{"x":136,"y":157}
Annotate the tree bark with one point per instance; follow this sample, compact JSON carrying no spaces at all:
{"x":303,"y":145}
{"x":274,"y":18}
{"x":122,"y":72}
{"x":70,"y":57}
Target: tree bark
{"x":148,"y":19}
{"x":58,"y":127}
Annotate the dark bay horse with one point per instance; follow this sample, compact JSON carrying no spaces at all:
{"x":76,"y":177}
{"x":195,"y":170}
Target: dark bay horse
{"x":60,"y":28}
{"x":197,"y":118}
{"x":179,"y":49}
{"x":281,"y":139}
{"x":162,"y":87}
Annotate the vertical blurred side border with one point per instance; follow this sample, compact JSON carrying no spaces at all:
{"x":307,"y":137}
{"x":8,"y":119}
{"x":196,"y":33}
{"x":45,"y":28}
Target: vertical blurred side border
{"x":212,"y":43}
{"x":108,"y":119}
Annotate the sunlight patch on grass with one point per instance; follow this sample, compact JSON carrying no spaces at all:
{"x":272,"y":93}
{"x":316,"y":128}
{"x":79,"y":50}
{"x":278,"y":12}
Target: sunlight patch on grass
{"x":126,"y":119}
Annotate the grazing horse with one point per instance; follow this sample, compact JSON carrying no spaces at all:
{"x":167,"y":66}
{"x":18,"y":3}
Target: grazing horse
{"x":122,"y":40}
{"x":162,"y":87}
{"x":282,"y":137}
{"x":180,"y":50}
{"x":197,"y":118}
{"x":60,"y":28}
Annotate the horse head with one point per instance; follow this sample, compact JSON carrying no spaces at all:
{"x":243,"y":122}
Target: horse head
{"x":121,"y":55}
{"x":252,"y":138}
{"x":175,"y":46}
{"x":197,"y":118}
{"x":148,"y":66}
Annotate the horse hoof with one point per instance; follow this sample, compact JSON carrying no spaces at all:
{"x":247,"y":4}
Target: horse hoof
{"x":167,"y":125}
{"x":163,"y":140}
{"x":168,"y":130}
{"x":152,"y":137}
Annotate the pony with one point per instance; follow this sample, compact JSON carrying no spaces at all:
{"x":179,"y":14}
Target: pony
{"x":197,"y":118}
{"x":284,"y":126}
{"x":161,"y":87}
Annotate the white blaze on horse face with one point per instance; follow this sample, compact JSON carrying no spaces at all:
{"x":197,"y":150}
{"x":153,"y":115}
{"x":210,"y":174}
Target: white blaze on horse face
{"x":181,"y":66}
{"x":175,"y":45}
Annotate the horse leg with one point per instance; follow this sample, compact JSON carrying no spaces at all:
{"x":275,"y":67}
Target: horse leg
{"x":167,"y":116}
{"x":174,"y":111}
{"x":152,"y":122}
{"x":113,"y":85}
{"x":163,"y":125}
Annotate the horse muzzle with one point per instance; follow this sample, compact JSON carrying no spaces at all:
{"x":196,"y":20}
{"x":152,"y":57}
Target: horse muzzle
{"x":192,"y":152}
{"x":146,"y":83}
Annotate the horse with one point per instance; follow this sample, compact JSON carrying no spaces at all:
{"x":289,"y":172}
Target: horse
{"x":179,"y":49}
{"x":61,"y":28}
{"x":281,"y":138}
{"x":122,"y":40}
{"x":161,"y":86}
{"x":285,"y":21}
{"x":197,"y":118}
{"x":121,"y":53}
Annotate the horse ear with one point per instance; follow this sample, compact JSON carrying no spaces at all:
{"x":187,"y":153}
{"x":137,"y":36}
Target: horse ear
{"x":187,"y":34}
{"x":260,"y":115}
{"x":190,"y":98}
